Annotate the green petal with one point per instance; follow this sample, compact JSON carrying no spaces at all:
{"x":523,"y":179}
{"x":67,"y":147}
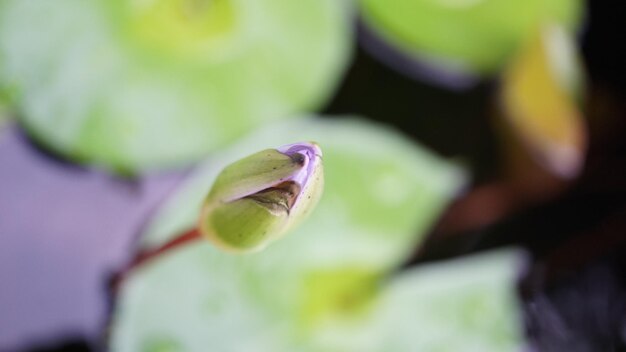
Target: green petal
{"x":244,"y":225}
{"x":251,"y":174}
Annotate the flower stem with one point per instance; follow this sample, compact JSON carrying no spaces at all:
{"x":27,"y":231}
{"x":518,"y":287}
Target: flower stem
{"x":144,"y":256}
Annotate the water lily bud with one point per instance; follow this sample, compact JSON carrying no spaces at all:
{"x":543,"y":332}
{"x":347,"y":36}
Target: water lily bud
{"x":259,"y":198}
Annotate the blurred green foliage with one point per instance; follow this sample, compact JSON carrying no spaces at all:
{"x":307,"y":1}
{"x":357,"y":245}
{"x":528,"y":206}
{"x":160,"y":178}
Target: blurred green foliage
{"x":131,"y":85}
{"x":539,"y":96}
{"x":466,"y":36}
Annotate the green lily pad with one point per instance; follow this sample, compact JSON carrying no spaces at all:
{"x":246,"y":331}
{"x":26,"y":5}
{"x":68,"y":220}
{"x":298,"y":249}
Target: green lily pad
{"x":139,"y":84}
{"x":539,"y":99}
{"x":327,"y":285}
{"x":464,"y":36}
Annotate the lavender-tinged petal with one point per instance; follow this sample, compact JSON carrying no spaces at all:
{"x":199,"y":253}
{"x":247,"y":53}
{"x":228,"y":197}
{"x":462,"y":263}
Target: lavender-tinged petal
{"x":312,"y":157}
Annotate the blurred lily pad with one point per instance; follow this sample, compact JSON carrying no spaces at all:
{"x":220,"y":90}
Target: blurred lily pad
{"x":463,"y":36}
{"x":327,"y":285}
{"x":156,"y":83}
{"x":540,"y":97}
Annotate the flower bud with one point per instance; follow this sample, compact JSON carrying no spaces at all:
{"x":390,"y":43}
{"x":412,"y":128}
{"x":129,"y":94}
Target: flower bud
{"x":257,"y":199}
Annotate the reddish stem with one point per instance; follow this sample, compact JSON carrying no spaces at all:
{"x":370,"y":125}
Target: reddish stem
{"x":144,"y":256}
